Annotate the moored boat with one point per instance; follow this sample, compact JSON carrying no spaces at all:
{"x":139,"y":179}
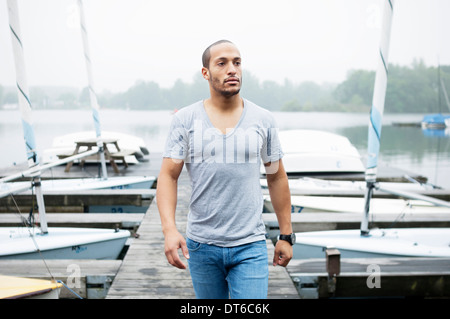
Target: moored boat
{"x":61,"y":243}
{"x":12,"y":287}
{"x":381,"y":243}
{"x":435,"y":121}
{"x":26,"y":242}
{"x":356,"y":205}
{"x":313,"y":151}
{"x":406,"y":242}
{"x":119,"y":182}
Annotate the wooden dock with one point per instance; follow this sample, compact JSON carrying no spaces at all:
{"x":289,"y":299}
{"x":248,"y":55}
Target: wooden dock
{"x":145,"y":272}
{"x":83,"y":201}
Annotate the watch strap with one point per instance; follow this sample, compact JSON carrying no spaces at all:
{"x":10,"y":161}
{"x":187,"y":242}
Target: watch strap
{"x":287,"y":238}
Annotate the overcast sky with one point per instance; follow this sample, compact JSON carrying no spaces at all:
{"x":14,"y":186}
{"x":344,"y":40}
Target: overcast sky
{"x":162,"y":41}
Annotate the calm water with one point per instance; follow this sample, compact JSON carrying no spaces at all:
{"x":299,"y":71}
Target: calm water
{"x":408,"y":148}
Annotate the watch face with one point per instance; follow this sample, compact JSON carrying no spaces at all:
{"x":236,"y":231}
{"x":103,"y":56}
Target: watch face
{"x":289,"y":238}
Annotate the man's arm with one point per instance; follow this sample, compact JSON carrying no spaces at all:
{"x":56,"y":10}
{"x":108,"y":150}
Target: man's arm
{"x":166,"y":198}
{"x":280,"y":195}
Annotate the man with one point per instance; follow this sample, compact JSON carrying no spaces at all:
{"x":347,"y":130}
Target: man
{"x":222,"y":141}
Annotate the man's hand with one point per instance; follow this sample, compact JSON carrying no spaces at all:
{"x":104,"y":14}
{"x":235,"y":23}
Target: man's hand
{"x":174,"y":241}
{"x":283,"y":253}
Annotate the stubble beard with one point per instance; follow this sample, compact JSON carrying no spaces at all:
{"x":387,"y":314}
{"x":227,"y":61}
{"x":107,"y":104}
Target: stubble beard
{"x":219,"y":87}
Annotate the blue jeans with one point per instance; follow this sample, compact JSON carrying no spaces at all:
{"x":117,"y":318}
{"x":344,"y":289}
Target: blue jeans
{"x":240,"y":272}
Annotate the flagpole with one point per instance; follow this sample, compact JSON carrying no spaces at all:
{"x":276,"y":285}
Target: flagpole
{"x":25,"y":108}
{"x":376,"y":112}
{"x":92,"y":95}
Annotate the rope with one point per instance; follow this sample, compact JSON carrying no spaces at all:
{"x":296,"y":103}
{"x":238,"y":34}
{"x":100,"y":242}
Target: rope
{"x":28,"y":225}
{"x":77,"y":295}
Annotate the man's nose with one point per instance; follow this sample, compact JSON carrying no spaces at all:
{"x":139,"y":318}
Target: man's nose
{"x":231,"y":69}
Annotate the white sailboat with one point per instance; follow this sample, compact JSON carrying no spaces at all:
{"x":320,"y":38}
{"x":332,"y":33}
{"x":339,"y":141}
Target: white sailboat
{"x":400,"y":242}
{"x":61,"y":243}
{"x":318,"y":195}
{"x":311,"y":185}
{"x":51,"y":242}
{"x":312,"y":152}
{"x":102,"y":182}
{"x":343,"y":204}
{"x":392,"y":242}
{"x":120,"y":182}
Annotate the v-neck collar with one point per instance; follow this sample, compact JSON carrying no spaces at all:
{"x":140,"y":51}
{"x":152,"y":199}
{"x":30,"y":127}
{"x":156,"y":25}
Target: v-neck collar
{"x":216,"y":130}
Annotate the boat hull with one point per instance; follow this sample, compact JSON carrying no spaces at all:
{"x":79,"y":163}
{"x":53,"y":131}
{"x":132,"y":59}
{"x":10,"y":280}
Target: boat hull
{"x":322,"y":163}
{"x":311,"y":152}
{"x":28,"y":288}
{"x":61,"y":243}
{"x":120,"y":182}
{"x":381,"y":243}
{"x":312,"y":204}
{"x":435,"y":121}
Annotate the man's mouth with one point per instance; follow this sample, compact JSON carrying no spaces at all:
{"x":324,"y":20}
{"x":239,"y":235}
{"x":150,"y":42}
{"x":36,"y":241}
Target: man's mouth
{"x":232,"y":80}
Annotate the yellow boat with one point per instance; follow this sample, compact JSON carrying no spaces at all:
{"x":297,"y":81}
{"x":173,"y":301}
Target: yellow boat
{"x":27,"y":288}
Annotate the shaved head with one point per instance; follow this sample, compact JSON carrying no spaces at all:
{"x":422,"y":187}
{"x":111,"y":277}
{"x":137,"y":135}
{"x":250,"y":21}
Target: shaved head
{"x":207,"y":53}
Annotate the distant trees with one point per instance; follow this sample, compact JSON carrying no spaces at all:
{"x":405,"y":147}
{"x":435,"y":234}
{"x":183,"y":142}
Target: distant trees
{"x":416,"y":89}
{"x":357,"y":89}
{"x":411,"y":89}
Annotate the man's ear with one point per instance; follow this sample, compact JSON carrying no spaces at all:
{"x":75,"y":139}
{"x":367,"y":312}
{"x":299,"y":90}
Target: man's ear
{"x":205,"y":73}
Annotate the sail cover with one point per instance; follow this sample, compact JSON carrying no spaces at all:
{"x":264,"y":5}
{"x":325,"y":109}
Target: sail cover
{"x":376,"y":113}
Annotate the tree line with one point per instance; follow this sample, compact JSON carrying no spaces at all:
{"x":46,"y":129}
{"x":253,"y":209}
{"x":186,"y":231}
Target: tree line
{"x":410,"y":89}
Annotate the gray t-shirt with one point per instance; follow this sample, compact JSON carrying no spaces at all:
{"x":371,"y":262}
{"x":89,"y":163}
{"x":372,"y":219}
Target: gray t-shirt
{"x":226,"y":201}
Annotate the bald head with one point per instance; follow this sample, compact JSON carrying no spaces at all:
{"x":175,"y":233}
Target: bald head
{"x":206,"y":57}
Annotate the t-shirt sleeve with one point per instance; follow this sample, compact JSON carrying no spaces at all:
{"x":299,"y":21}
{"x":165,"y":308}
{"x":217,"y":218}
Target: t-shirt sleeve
{"x":271,"y":150}
{"x":177,"y":143}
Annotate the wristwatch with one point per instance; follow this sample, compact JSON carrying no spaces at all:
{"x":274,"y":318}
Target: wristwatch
{"x":289,"y":238}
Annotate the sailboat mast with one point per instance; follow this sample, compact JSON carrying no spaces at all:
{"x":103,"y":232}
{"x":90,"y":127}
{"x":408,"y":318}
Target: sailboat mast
{"x":376,"y":112}
{"x":92,"y":95}
{"x":445,"y":93}
{"x":442,"y":87}
{"x":25,"y":108}
{"x":439,"y":88}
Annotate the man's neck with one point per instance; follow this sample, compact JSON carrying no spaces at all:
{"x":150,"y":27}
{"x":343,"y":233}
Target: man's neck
{"x":224,"y":114}
{"x":224,"y":104}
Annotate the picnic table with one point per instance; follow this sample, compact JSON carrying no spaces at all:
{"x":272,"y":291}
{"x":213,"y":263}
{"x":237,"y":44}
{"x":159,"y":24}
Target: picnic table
{"x":109,"y":154}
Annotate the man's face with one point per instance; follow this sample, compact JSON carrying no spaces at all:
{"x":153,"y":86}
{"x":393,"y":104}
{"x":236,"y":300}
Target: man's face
{"x":224,"y":73}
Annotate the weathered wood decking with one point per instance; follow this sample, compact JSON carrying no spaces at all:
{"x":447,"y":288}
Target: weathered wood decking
{"x":145,"y":272}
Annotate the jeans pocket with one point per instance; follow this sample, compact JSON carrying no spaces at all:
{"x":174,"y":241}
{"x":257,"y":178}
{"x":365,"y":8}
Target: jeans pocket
{"x":192,"y":245}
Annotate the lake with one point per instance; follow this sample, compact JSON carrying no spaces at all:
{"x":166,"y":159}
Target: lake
{"x":408,"y":148}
